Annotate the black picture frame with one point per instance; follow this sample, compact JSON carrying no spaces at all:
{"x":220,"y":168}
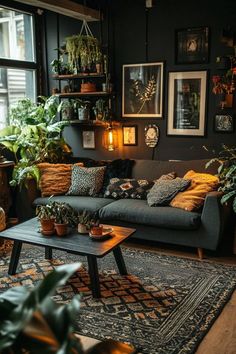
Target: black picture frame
{"x":192,"y":45}
{"x":224,"y":123}
{"x":142,"y":90}
{"x":187,"y":103}
{"x":130,"y":135}
{"x":88,"y":139}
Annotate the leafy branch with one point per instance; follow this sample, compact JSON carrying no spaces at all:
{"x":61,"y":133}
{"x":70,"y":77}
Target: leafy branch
{"x":146,"y":92}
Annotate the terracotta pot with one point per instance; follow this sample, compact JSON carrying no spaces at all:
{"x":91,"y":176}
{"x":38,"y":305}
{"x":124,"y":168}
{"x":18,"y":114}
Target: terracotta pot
{"x":47,"y":226}
{"x":82,"y":229}
{"x":96,"y":230}
{"x":229,"y":100}
{"x":61,"y":229}
{"x":88,"y":87}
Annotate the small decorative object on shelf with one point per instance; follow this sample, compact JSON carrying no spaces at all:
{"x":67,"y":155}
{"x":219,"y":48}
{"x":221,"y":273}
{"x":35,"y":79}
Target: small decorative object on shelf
{"x":88,"y":87}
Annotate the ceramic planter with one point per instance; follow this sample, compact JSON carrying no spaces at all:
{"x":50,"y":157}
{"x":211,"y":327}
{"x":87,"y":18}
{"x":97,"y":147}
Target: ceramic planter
{"x":82,"y":229}
{"x":47,"y":226}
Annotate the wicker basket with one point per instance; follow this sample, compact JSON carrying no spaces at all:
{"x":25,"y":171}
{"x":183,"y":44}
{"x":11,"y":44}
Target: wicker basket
{"x":2,"y":219}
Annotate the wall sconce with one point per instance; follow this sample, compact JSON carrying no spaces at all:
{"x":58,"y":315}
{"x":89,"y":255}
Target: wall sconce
{"x":110,"y":138}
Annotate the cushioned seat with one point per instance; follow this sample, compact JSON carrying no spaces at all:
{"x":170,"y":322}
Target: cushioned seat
{"x":138,"y":211}
{"x":79,"y":203}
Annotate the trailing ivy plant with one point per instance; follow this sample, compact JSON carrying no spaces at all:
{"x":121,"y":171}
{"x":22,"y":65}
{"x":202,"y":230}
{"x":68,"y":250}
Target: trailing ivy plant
{"x":227,"y":174}
{"x":31,"y":322}
{"x":34,"y":136}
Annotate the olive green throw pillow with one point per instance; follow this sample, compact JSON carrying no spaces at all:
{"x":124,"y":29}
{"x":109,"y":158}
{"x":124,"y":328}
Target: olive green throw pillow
{"x":164,"y":191}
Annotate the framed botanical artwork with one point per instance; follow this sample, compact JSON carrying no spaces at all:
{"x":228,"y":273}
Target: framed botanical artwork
{"x":186,"y":103}
{"x":142,"y":90}
{"x":130,"y":135}
{"x":192,"y":45}
{"x":224,"y":123}
{"x":88,"y":139}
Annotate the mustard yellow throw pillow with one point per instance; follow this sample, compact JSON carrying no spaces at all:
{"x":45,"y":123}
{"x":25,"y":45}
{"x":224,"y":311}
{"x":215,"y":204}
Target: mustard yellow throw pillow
{"x":193,"y":197}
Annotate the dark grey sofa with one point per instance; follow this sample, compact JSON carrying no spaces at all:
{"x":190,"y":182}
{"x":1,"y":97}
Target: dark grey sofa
{"x":203,"y":229}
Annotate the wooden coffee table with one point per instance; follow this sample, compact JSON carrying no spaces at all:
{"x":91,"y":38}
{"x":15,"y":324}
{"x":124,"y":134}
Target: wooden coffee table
{"x":28,"y":232}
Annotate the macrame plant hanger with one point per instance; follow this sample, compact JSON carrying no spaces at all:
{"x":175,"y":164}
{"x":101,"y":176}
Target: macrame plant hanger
{"x":85,"y":29}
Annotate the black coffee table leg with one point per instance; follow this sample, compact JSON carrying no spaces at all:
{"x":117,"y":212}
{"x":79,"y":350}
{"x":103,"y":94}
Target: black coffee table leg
{"x":15,"y":255}
{"x":120,"y":261}
{"x":94,"y":277}
{"x":48,"y":253}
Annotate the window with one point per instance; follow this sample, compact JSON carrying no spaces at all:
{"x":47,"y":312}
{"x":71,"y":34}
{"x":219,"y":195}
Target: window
{"x":17,"y":60}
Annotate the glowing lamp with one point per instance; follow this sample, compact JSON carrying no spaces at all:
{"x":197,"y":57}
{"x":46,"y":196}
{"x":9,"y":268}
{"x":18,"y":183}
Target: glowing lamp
{"x":110,"y":138}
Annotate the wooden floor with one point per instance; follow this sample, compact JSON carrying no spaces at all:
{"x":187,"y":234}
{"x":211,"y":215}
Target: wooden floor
{"x":221,"y":339}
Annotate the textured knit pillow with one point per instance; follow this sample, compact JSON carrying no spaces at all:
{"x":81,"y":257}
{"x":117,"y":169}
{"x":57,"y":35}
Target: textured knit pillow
{"x":164,"y":190}
{"x":128,"y":188}
{"x":168,"y":176}
{"x":86,"y":181}
{"x":193,"y":198}
{"x":55,"y":179}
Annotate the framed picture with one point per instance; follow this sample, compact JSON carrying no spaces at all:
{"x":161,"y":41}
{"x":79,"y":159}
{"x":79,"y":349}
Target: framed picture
{"x":186,"y":103}
{"x":142,"y":90}
{"x":130,"y":135}
{"x":224,"y":123}
{"x":151,"y":135}
{"x":88,"y":139}
{"x":192,"y":45}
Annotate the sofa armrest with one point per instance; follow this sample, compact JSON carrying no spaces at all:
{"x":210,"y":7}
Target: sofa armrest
{"x":215,"y":216}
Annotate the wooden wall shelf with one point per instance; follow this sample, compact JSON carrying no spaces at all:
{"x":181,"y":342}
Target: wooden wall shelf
{"x":79,"y":94}
{"x":78,"y":76}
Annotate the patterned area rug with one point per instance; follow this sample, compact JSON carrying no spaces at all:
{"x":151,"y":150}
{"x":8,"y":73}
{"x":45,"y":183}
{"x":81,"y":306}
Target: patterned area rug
{"x":166,"y":305}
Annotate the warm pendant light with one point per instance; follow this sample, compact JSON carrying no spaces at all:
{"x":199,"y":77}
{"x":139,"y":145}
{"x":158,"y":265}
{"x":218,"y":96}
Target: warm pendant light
{"x":110,"y":138}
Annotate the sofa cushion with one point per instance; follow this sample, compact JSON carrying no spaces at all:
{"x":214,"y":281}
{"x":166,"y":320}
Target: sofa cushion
{"x":193,"y":198}
{"x":79,"y":203}
{"x":86,"y":181}
{"x":128,"y":188}
{"x":55,"y":179}
{"x":164,"y":191}
{"x":138,"y":211}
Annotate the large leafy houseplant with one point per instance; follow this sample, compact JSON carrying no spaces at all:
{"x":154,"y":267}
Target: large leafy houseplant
{"x":31,"y":322}
{"x":34,"y":136}
{"x":227,"y":174}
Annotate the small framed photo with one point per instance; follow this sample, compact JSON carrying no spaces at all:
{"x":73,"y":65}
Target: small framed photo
{"x":223,"y":123}
{"x":88,"y":139}
{"x":130,"y":135}
{"x":187,"y":103}
{"x":192,"y":45}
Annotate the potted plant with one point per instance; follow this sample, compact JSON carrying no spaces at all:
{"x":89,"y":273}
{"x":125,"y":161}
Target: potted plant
{"x":83,"y":108}
{"x":226,"y":174}
{"x":45,"y":214}
{"x":84,"y":222}
{"x":67,"y":109}
{"x":65,"y":216}
{"x":100,"y":109}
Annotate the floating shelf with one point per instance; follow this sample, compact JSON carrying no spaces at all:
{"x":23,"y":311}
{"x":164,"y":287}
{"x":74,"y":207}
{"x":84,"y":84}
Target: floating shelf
{"x":78,"y":76}
{"x":79,"y":94}
{"x":93,"y":122}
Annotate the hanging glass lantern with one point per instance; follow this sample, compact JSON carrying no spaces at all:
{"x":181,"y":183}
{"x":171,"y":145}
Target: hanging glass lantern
{"x":110,"y":138}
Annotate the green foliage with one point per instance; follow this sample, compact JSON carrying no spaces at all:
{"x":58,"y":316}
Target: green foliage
{"x":34,"y":137}
{"x":31,"y":322}
{"x":85,"y":218}
{"x":227,"y":174}
{"x":64,"y":213}
{"x":45,"y":212}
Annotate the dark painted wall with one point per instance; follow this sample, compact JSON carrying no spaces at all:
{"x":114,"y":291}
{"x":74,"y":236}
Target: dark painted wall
{"x":124,"y":28}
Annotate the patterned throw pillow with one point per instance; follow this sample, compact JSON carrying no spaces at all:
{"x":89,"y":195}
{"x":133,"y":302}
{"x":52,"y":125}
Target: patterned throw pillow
{"x":86,"y":181}
{"x":128,"y":188}
{"x":164,"y":191}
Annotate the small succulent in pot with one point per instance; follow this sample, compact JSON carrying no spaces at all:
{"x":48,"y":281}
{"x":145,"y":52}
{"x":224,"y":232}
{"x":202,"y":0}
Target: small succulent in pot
{"x":84,"y":221}
{"x":64,"y":215}
{"x":45,"y":214}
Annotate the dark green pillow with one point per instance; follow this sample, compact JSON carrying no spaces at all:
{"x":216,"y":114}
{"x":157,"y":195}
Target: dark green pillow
{"x":164,"y":191}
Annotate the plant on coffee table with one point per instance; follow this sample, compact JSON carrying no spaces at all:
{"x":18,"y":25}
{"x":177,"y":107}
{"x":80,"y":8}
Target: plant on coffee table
{"x":64,"y":215}
{"x":45,"y":214}
{"x":84,"y":221}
